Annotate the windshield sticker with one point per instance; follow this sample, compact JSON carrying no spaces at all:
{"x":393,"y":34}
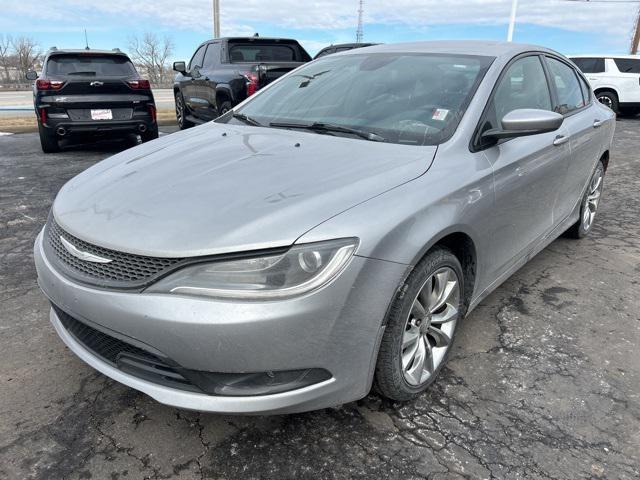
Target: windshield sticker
{"x":440,"y":114}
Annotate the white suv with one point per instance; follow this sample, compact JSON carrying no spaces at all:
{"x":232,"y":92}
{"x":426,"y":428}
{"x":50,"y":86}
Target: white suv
{"x":614,"y":79}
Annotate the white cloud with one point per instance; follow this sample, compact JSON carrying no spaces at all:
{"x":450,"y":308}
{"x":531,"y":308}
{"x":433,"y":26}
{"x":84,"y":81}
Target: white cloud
{"x":238,"y":16}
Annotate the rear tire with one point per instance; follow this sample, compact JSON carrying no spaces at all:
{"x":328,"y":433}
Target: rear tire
{"x":150,"y":134}
{"x":224,"y":107}
{"x":427,"y":309}
{"x":181,"y":112}
{"x":48,"y":139}
{"x":589,"y":205}
{"x":610,"y":99}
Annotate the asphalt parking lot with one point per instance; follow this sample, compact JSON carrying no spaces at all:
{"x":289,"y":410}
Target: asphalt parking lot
{"x":544,"y":380}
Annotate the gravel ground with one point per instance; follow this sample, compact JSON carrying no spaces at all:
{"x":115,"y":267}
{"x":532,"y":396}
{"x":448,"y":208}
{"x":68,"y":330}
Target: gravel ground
{"x":543,"y":382}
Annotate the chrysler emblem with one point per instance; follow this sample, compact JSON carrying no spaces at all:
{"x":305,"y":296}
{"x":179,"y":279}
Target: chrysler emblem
{"x":86,"y":256}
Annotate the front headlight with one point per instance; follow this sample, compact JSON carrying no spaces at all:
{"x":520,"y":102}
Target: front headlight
{"x":300,"y":270}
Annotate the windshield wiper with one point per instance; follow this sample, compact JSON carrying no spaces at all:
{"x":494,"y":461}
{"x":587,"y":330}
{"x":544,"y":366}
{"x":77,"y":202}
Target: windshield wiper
{"x":246,"y":119}
{"x":330,"y":127}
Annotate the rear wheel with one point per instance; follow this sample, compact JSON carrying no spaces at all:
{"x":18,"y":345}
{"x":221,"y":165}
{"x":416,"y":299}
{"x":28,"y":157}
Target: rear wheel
{"x":224,"y":107}
{"x":420,"y":327}
{"x":150,"y":134}
{"x":589,"y":204}
{"x":181,"y":112}
{"x":610,"y":99}
{"x":48,"y":139}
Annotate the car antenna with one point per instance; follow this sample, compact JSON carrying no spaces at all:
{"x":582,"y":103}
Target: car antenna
{"x":86,"y":41}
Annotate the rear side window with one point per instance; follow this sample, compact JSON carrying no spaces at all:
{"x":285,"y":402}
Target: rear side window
{"x":212,"y":57}
{"x":566,"y":82}
{"x":523,"y":85}
{"x":263,"y":53}
{"x":590,"y":65}
{"x":586,"y":90}
{"x":91,"y":65}
{"x":627,"y":65}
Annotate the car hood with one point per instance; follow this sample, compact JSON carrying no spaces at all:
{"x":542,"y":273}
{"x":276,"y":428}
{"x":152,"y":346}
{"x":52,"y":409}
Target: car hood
{"x":221,"y":188}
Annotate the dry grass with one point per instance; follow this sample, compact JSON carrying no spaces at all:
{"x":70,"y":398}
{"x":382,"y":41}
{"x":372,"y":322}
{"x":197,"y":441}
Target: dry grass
{"x":25,"y":124}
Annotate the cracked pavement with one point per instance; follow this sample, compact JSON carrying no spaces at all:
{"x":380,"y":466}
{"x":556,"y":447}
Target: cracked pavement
{"x":543,"y":381}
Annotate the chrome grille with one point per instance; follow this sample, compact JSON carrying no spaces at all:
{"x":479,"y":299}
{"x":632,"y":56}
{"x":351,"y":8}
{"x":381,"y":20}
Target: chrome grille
{"x":125,"y":268}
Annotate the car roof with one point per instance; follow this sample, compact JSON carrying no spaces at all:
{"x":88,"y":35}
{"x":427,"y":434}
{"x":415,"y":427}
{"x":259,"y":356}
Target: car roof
{"x":59,"y":51}
{"x":632,"y":57}
{"x":340,"y":45}
{"x":456,"y":47}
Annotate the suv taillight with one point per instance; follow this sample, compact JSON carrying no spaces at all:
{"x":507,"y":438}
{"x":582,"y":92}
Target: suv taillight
{"x":46,"y":84}
{"x":139,"y":84}
{"x":253,"y":82}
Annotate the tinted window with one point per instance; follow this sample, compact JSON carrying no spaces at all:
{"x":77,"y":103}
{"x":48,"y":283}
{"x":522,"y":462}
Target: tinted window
{"x":565,"y":80}
{"x":198,"y":57}
{"x":524,"y":85}
{"x":262,"y":53}
{"x":627,"y":65}
{"x":411,"y":99}
{"x":590,"y":65}
{"x":586,"y":90}
{"x":90,"y":65}
{"x":212,"y":57}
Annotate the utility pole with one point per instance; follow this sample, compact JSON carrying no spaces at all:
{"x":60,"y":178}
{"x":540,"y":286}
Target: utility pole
{"x":360,"y":31}
{"x":636,"y":35}
{"x":216,"y":18}
{"x":512,"y":20}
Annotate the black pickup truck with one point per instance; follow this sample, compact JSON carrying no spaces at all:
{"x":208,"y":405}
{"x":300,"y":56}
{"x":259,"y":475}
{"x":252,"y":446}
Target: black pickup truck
{"x":225,"y":71}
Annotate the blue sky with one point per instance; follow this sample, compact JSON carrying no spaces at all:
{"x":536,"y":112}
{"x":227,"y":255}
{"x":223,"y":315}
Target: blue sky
{"x":569,"y":27}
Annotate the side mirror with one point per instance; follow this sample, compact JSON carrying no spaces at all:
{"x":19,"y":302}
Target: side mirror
{"x":31,"y":75}
{"x":524,"y":122}
{"x":180,"y":67}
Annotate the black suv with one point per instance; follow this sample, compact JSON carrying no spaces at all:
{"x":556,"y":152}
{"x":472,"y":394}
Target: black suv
{"x":225,"y":71}
{"x":342,"y":47}
{"x":94,"y":92}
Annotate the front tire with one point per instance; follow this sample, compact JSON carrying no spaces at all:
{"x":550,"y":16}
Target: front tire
{"x":610,"y":99}
{"x":589,"y":204}
{"x":48,"y":139}
{"x":181,"y":112}
{"x":420,"y":327}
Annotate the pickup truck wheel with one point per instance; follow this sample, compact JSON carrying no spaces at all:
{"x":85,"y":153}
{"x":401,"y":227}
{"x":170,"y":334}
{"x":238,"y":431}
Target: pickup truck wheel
{"x":225,"y":107}
{"x":181,"y":112}
{"x":48,"y":140}
{"x":589,"y":204}
{"x":610,"y":99}
{"x":420,"y":327}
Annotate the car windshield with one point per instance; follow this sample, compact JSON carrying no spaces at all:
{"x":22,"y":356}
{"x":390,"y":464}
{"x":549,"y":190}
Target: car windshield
{"x":413,"y":99}
{"x":90,"y":65}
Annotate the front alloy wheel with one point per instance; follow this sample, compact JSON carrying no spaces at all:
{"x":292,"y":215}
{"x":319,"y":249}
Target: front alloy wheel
{"x":430,"y":326}
{"x":420,"y":326}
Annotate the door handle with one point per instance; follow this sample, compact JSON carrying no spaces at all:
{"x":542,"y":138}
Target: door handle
{"x":560,"y":139}
{"x":598,"y":123}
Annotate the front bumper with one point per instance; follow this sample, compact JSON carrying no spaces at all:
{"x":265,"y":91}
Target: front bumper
{"x":337,"y":329}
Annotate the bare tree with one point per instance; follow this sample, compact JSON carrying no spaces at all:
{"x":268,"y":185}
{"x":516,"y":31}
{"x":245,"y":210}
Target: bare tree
{"x":27,"y":54}
{"x":151,"y":54}
{"x":7,"y":59}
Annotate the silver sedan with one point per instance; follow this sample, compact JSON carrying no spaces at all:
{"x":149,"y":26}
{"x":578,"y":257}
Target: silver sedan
{"x":328,"y":234}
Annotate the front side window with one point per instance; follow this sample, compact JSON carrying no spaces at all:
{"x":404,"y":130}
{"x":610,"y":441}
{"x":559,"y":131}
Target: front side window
{"x":523,"y":85}
{"x":567,"y":86}
{"x":197,"y":59}
{"x":627,"y":65}
{"x":212,"y":56}
{"x":590,"y":65}
{"x":413,"y":99}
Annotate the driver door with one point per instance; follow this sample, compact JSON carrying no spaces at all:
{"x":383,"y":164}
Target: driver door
{"x":529,"y":171}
